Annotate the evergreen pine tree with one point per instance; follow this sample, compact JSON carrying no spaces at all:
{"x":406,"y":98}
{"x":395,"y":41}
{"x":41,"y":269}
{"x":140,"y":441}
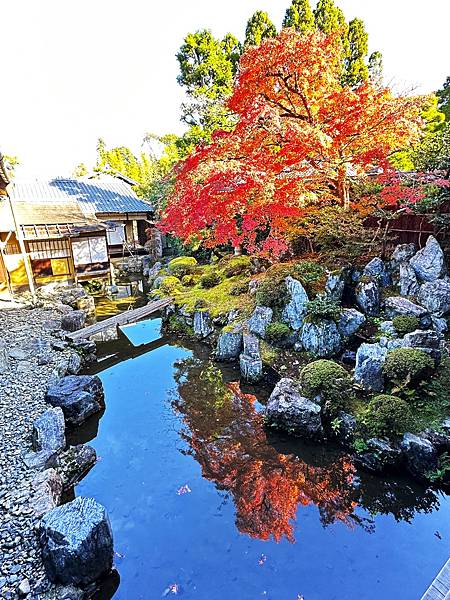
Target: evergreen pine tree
{"x":299,"y":16}
{"x":259,"y":27}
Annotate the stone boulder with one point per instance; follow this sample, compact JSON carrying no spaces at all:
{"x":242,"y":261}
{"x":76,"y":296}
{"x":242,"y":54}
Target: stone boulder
{"x":152,"y":272}
{"x":49,"y":431}
{"x":435,"y":296}
{"x":368,"y":297}
{"x":376,"y":269}
{"x":260,"y":319}
{"x":388,"y":329}
{"x":46,"y":493}
{"x":203,"y":326}
{"x":429,"y":263}
{"x":335,"y":285}
{"x":75,"y":463}
{"x":77,"y":542}
{"x":295,"y":310}
{"x":86,"y":304}
{"x":369,"y":367}
{"x":74,"y":363}
{"x":427,"y":341}
{"x":408,"y":284}
{"x":74,"y":320}
{"x":79,"y":396}
{"x":420,"y":456}
{"x":402,"y":254}
{"x":321,"y":339}
{"x":345,"y":433}
{"x":349,"y":323}
{"x":396,"y":306}
{"x":229,"y":344}
{"x":250,"y":361}
{"x":439,"y":324}
{"x":380,"y":456}
{"x":289,"y":410}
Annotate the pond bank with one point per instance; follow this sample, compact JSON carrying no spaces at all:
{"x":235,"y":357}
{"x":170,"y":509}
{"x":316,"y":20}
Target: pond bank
{"x":33,"y":356}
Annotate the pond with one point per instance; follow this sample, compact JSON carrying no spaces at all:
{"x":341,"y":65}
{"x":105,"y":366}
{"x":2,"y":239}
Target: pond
{"x":206,"y":505}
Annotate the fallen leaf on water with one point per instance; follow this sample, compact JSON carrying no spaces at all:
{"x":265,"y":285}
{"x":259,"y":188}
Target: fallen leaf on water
{"x":438,"y":535}
{"x":262,"y":559}
{"x":174,"y":588}
{"x":119,"y":555}
{"x":300,"y":597}
{"x":184,"y":489}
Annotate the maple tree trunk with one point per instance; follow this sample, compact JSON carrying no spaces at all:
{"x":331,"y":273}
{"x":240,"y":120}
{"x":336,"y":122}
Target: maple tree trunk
{"x":343,"y":188}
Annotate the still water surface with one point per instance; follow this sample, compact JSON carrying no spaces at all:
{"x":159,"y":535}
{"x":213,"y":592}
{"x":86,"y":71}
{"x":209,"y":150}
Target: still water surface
{"x":204,"y":504}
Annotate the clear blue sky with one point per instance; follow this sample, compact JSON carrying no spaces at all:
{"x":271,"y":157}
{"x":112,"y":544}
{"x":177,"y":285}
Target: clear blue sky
{"x":77,"y":70}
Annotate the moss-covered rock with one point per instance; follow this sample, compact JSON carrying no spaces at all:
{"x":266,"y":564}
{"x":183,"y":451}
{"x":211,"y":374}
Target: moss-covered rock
{"x":210,"y":279}
{"x":387,"y":416}
{"x":182,"y":265}
{"x":237,"y":265}
{"x":328,"y":383}
{"x":407,"y":366}
{"x":277,"y":332}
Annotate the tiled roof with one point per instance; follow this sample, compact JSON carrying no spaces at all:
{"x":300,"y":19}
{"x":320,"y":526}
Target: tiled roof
{"x":109,"y":195}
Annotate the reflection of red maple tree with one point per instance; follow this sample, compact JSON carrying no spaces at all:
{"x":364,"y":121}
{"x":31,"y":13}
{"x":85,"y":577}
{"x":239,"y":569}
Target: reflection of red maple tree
{"x":227,"y":437}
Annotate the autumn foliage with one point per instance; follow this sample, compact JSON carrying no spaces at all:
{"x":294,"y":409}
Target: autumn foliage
{"x":300,"y":135}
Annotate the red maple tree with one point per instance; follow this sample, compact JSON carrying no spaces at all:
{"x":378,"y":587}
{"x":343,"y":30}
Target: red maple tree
{"x":299,"y":136}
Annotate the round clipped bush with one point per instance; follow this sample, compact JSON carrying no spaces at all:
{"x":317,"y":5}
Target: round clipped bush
{"x":276,"y":332}
{"x":237,"y":265}
{"x":170,"y":284}
{"x":210,"y":279}
{"x":322,"y":308}
{"x":404,"y":324}
{"x":388,"y":416}
{"x":407,"y":365}
{"x":182,"y":265}
{"x":328,"y":383}
{"x":190,"y":280}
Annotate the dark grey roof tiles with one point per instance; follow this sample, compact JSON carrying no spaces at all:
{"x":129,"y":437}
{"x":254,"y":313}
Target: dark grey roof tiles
{"x":92,"y":195}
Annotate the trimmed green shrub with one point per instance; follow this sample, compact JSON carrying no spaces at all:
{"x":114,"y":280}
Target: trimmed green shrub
{"x":310,"y":274}
{"x":404,"y":324}
{"x":322,"y":308}
{"x":170,"y":284}
{"x":237,"y":265}
{"x":272,"y":290}
{"x":328,"y":381}
{"x":182,"y":265}
{"x":388,"y":416}
{"x":190,"y":280}
{"x":407,"y":365}
{"x":276,"y":332}
{"x":210,"y":279}
{"x":239,"y":288}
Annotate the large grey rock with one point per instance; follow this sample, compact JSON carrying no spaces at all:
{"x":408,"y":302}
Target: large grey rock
{"x":349,"y":323}
{"x":321,"y":339}
{"x":428,"y":263}
{"x":44,"y":459}
{"x":380,"y":456}
{"x":74,"y":320}
{"x":79,"y":396}
{"x":46,"y":492}
{"x":376,"y":269}
{"x":427,"y":341}
{"x":75,"y":463}
{"x":74,"y":363}
{"x":335,"y":284}
{"x":369,"y":366}
{"x":345,"y":433}
{"x":203,"y":326}
{"x":420,"y":456}
{"x":260,"y":319}
{"x":408,"y":284}
{"x":439,"y":324}
{"x":368,"y":297}
{"x":288,"y":409}
{"x":387,"y":327}
{"x":435,"y":296}
{"x":152,"y":272}
{"x":77,"y":542}
{"x":402,"y":253}
{"x":397,"y":306}
{"x":295,"y":310}
{"x":250,"y":361}
{"x":229,"y":344}
{"x":49,"y":431}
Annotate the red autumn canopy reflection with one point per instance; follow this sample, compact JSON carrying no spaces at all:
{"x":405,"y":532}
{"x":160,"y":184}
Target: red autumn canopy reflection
{"x":227,"y":437}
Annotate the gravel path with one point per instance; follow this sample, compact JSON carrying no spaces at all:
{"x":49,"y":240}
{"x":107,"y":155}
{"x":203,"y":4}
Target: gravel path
{"x":37,"y":355}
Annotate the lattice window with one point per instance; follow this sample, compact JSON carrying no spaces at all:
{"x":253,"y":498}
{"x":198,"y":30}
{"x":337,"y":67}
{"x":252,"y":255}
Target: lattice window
{"x":49,"y":249}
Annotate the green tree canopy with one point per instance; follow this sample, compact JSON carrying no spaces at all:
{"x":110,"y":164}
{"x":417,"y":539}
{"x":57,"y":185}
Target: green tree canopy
{"x":299,"y":16}
{"x":259,"y":27}
{"x":444,"y":99}
{"x":358,"y":47}
{"x":375,"y":66}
